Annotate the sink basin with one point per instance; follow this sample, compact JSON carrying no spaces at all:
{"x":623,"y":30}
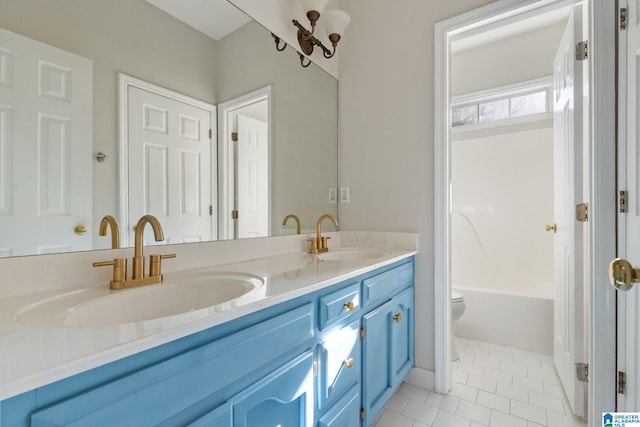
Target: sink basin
{"x":100,"y":306}
{"x":353,"y":254}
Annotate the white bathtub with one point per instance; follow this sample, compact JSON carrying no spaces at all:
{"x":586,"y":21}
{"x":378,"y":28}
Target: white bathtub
{"x":520,"y":321}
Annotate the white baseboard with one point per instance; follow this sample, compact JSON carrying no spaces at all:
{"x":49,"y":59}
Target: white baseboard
{"x":422,"y":378}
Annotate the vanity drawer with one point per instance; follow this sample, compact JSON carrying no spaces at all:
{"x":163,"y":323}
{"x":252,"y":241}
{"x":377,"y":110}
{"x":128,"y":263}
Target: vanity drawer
{"x":387,"y":283}
{"x":141,"y":398}
{"x":338,"y":305}
{"x":345,"y":413}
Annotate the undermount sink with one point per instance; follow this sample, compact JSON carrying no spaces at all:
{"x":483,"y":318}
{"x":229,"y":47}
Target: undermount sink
{"x":353,"y":254}
{"x":101,"y":306}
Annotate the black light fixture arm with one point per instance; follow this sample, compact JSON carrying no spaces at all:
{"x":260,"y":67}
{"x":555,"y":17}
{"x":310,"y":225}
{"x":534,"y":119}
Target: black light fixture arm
{"x":307,"y":41}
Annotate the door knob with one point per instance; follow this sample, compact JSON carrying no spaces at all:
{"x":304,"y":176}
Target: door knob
{"x":80,"y":229}
{"x":553,"y":228}
{"x":397,"y":317}
{"x":622,"y":274}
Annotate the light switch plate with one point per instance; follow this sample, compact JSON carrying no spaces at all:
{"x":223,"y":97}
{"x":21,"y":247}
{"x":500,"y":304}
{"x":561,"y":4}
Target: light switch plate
{"x":344,"y":195}
{"x":333,"y":195}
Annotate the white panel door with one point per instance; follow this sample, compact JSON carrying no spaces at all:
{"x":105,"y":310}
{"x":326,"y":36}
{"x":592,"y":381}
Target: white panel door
{"x":45,"y":147}
{"x":629,"y":223}
{"x":170,"y":166}
{"x":252,"y":178}
{"x":568,"y":241}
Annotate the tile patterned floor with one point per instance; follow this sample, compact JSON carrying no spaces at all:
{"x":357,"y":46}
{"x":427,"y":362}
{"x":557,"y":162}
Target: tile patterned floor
{"x":493,"y":386}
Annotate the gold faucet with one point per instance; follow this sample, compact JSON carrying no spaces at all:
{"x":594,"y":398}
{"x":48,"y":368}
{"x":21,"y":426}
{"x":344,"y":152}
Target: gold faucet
{"x":137,"y":269}
{"x":110,"y":221}
{"x":319,"y":243}
{"x":119,"y":280}
{"x":295,"y":218}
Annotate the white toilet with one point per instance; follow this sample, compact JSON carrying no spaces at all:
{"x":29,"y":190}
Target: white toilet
{"x":457,"y":308}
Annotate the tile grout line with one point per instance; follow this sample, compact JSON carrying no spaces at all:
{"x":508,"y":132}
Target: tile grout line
{"x":485,"y":367}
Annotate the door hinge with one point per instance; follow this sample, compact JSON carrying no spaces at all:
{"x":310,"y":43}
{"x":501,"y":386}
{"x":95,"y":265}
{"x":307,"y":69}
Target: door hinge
{"x":234,"y":136}
{"x":624,"y":194}
{"x":622,"y":382}
{"x":210,"y":209}
{"x":582,"y":212}
{"x":582,"y":372}
{"x":362,"y":333}
{"x":234,"y":214}
{"x":582,"y":50}
{"x":210,"y":133}
{"x":623,"y":18}
{"x":362,"y":414}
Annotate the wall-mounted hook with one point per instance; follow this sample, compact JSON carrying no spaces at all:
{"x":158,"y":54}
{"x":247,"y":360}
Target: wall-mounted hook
{"x":302,"y":57}
{"x":277,"y":40}
{"x":100,"y":156}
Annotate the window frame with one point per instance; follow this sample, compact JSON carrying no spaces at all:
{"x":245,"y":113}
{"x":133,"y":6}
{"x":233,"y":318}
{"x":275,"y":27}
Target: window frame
{"x":499,"y":93}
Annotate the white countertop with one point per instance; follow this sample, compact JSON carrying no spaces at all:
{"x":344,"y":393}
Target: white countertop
{"x":33,"y":356}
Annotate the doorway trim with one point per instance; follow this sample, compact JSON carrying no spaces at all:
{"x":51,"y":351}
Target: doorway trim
{"x":124,"y":82}
{"x":601,"y":300}
{"x":226,"y":159}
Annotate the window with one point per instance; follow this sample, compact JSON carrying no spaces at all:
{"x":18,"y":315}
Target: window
{"x":507,"y":102}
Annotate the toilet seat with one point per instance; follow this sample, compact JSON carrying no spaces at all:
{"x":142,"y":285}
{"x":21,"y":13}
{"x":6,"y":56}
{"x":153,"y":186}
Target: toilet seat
{"x":456,"y":296}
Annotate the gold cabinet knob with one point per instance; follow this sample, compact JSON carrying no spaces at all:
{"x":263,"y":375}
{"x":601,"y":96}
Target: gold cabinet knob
{"x":397,"y":317}
{"x":348,"y":363}
{"x":349,"y":305}
{"x":80,"y":229}
{"x":553,"y":228}
{"x":622,"y":274}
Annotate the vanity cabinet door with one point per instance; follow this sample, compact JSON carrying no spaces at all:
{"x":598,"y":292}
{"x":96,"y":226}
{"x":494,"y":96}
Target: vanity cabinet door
{"x":387,"y":351}
{"x":403,"y":341}
{"x":284,"y":398}
{"x":338,"y":362}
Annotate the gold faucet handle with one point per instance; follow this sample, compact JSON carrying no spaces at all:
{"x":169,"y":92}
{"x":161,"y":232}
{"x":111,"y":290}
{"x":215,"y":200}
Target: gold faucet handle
{"x":314,"y":245}
{"x":155,"y":264}
{"x":119,"y":271}
{"x":323,"y":243}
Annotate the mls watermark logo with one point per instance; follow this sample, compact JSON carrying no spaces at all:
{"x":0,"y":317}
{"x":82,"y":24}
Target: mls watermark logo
{"x":607,"y":420}
{"x":620,"y":419}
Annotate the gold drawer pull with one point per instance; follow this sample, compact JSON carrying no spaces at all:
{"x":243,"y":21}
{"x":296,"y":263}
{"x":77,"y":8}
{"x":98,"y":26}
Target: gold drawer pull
{"x":348,"y":305}
{"x":348,"y":363}
{"x":397,"y":317}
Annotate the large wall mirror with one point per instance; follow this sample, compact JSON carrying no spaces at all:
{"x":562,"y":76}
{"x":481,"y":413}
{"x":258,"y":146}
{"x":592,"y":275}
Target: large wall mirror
{"x":88,"y":90}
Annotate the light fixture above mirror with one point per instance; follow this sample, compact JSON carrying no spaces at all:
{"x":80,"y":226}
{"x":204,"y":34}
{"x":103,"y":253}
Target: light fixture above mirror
{"x":335,"y":22}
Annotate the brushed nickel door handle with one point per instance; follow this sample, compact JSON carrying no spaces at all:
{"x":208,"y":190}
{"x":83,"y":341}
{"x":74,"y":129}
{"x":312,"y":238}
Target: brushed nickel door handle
{"x":622,"y":274}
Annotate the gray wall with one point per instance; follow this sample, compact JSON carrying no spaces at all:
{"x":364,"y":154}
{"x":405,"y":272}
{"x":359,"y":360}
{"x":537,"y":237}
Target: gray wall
{"x":304,"y":116}
{"x":386,"y":130}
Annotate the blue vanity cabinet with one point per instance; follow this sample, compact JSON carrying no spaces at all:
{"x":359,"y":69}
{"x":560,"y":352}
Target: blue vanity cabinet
{"x":331,"y":358}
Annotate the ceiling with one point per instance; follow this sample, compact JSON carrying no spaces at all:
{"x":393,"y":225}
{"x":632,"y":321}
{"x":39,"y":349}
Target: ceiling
{"x":498,"y":32}
{"x":215,"y":18}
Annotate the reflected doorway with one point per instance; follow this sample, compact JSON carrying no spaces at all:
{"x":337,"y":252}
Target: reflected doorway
{"x":245,"y":166}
